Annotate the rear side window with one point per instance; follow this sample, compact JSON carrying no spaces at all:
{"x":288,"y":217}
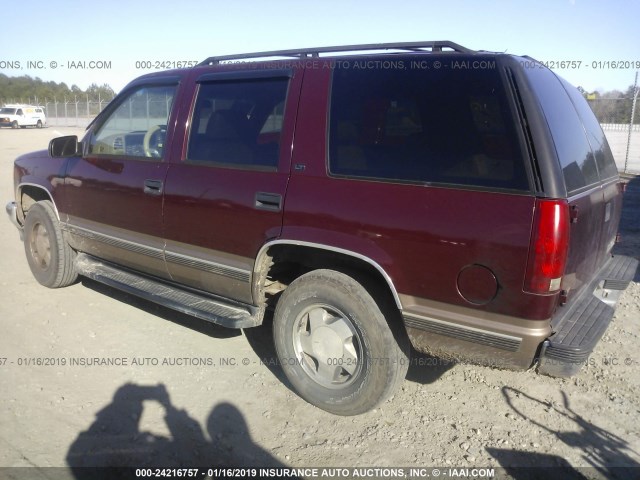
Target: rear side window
{"x":424,"y":125}
{"x":604,"y":158}
{"x":238,"y":123}
{"x":573,"y":150}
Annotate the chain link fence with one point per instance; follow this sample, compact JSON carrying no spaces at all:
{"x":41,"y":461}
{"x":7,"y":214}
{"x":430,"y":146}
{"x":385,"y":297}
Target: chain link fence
{"x":76,"y":111}
{"x":624,"y":141}
{"x":73,"y":112}
{"x":621,"y":124}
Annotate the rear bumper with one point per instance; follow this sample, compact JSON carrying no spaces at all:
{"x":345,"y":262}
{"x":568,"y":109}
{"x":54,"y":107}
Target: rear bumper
{"x":578,"y":328}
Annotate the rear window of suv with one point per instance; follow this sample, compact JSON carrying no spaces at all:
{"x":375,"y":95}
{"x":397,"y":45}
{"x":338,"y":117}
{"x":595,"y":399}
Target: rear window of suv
{"x":574,"y":151}
{"x":604,"y":158}
{"x":412,"y":123}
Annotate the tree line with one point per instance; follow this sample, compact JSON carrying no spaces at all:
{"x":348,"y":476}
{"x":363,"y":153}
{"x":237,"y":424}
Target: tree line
{"x":613,"y":106}
{"x":28,"y":90}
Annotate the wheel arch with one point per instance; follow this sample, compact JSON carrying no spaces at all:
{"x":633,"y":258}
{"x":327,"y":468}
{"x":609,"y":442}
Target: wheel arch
{"x":337,"y":258}
{"x":28,"y":194}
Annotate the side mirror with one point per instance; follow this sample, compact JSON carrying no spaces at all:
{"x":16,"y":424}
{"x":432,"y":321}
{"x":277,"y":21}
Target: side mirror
{"x":65,"y":147}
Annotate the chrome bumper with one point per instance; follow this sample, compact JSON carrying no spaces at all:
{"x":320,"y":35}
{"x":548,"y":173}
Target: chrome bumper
{"x":12,"y":210}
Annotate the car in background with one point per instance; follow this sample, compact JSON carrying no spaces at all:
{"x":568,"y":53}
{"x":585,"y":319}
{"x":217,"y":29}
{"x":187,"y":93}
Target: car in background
{"x":22,"y":116}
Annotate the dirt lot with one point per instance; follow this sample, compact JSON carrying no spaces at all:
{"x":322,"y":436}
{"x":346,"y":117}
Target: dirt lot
{"x":184,"y":392}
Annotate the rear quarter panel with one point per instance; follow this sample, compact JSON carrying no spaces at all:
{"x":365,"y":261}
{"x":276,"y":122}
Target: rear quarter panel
{"x":422,"y":236}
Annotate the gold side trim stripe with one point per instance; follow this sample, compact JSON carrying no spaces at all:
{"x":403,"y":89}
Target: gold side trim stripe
{"x":169,"y":257}
{"x":461,"y":332}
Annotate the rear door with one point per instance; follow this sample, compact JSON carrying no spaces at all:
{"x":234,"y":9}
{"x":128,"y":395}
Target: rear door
{"x":225,"y":198}
{"x":113,"y":193}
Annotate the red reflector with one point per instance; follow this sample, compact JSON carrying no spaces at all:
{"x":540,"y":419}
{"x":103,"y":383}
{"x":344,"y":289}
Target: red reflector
{"x":548,"y":248}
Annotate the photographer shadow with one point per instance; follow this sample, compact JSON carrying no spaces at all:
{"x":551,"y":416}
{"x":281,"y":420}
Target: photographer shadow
{"x":114,"y":439}
{"x":605,"y":452}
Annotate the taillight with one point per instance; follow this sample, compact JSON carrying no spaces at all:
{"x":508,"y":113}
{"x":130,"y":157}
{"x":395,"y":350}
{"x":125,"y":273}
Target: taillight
{"x":548,"y":248}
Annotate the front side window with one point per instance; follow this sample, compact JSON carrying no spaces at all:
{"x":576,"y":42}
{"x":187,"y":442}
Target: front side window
{"x":138,"y":125}
{"x":238,"y":123}
{"x":424,"y":125}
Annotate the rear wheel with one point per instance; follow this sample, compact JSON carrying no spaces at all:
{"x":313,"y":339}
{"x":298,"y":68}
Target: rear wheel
{"x":335,"y":344}
{"x":50,"y":257}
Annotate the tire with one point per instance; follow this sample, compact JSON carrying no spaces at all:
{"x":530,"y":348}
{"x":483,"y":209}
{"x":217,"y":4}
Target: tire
{"x":39,"y":124}
{"x":335,"y":345}
{"x":14,"y":124}
{"x":50,"y":257}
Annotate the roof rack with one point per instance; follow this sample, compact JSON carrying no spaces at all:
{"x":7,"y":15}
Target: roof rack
{"x":435,"y":46}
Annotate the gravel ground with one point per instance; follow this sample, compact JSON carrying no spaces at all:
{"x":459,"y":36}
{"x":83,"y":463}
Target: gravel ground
{"x":178,"y":402}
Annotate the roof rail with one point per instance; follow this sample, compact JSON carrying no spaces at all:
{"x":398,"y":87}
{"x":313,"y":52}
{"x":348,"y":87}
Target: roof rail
{"x":435,"y":46}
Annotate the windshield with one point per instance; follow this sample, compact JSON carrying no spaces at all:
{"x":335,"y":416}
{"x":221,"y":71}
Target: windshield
{"x":8,"y":111}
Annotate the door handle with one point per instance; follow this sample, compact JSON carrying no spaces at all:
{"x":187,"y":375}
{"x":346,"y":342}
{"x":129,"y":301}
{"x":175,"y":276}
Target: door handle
{"x":269,"y":201}
{"x":153,"y":187}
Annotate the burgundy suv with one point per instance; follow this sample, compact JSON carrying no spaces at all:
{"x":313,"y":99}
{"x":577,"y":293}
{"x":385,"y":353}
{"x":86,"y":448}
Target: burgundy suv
{"x":424,"y":194}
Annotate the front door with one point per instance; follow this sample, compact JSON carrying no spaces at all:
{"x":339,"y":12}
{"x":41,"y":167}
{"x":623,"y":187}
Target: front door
{"x":113,"y":194}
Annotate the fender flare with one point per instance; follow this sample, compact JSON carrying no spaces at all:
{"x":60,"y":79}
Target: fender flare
{"x":300,"y":243}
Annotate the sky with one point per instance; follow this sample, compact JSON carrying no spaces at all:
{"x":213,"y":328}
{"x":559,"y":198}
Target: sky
{"x":61,"y":38}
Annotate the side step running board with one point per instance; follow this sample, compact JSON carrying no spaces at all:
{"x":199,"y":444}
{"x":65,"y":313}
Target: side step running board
{"x":205,"y":307}
{"x":579,"y":328}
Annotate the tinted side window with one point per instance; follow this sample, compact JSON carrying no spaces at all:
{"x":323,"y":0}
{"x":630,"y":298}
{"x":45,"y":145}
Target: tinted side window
{"x":604,"y":158}
{"x":138,"y":125}
{"x":573,"y":149}
{"x":238,"y":123}
{"x":424,"y":125}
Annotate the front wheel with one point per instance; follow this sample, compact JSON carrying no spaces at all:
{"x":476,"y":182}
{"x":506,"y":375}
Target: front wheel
{"x":39,"y":124}
{"x":50,"y":257}
{"x":335,"y":345}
